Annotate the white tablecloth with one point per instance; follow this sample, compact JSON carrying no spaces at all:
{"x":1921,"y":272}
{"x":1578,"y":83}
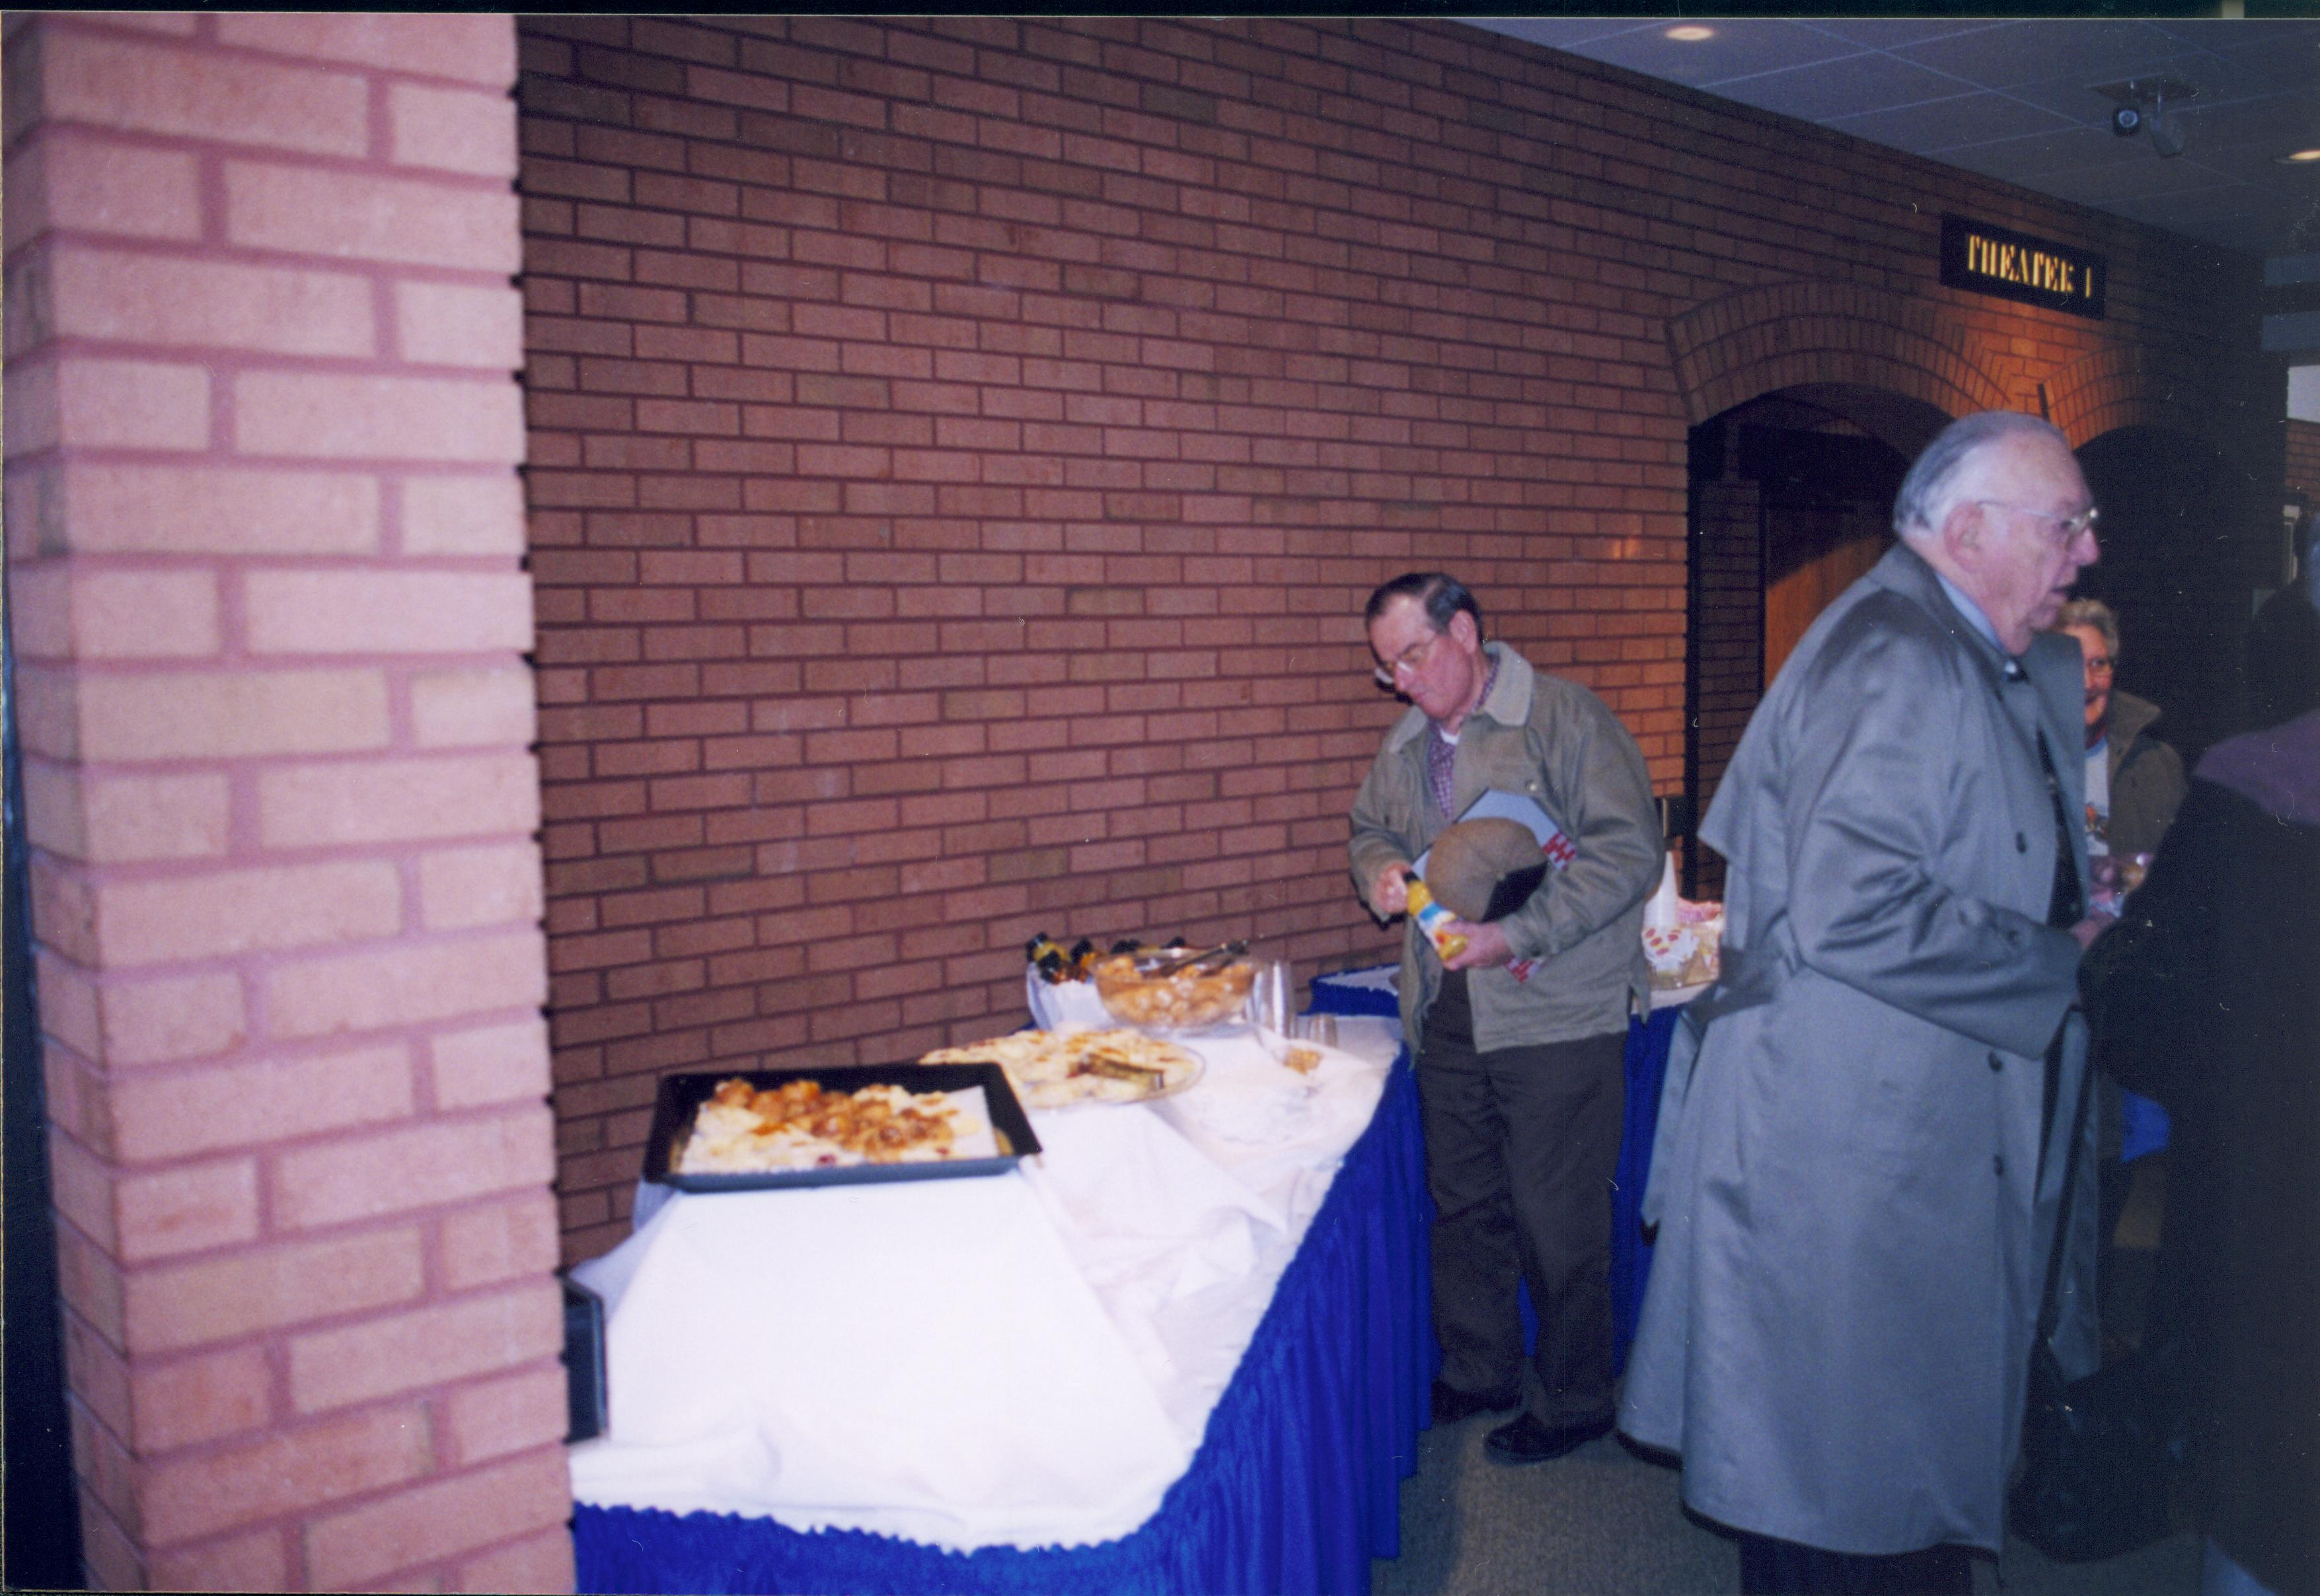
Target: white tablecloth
{"x":1023,"y":1360}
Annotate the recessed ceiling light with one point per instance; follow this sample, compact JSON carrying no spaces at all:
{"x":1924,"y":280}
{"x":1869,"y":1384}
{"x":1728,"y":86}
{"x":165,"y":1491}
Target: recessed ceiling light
{"x":1690,"y":33}
{"x":2300,"y":157}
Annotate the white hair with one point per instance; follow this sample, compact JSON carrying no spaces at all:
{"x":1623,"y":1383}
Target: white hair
{"x":1942,"y":474}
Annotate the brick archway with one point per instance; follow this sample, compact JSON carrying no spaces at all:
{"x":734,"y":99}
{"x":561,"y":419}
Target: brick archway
{"x":1788,"y":335}
{"x":2128,"y":385}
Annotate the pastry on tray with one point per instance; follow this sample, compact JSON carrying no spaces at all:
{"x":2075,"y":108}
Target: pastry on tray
{"x":1060,"y":1068}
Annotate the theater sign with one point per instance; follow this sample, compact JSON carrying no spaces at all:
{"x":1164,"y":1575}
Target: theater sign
{"x":2007,"y":264}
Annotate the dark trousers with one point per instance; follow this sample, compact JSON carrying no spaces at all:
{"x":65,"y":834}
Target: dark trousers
{"x":1770,"y":1567}
{"x":1521,"y":1144}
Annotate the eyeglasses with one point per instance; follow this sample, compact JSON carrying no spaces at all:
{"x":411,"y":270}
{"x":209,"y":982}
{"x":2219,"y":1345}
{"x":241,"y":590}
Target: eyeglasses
{"x":1411,"y":660}
{"x":2069,"y":527}
{"x":2101,"y":664}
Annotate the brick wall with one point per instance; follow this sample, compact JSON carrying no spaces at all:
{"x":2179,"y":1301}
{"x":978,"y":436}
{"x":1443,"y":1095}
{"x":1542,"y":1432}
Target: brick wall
{"x":960,"y":450}
{"x":264,"y":535}
{"x":2303,"y":459}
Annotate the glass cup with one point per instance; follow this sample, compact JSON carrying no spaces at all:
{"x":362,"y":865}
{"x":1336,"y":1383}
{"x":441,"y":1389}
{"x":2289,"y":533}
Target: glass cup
{"x":1268,"y":1005}
{"x":1320,"y":1029}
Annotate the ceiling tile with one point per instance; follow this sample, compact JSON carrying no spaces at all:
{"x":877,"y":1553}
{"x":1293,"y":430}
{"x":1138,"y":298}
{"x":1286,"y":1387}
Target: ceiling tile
{"x":2087,"y":52}
{"x":1855,"y":86}
{"x":1934,"y":125}
{"x":1878,"y":33}
{"x":1553,"y":32}
{"x":1741,"y":48}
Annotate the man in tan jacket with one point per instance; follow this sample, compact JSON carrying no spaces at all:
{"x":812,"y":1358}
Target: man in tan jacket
{"x":1520,"y":1038}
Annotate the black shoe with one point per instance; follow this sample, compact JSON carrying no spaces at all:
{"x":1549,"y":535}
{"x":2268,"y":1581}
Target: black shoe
{"x":1527,"y":1441}
{"x":1450,"y":1406}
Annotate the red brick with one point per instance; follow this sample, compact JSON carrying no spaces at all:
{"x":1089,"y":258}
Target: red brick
{"x":386,"y":611}
{"x":226,"y":1297}
{"x":154,"y":88}
{"x":424,"y":1166}
{"x":439,"y":1520}
{"x":354,"y":417}
{"x":288,"y":1472}
{"x":410,"y":221}
{"x":156,"y":299}
{"x":254,"y":1103}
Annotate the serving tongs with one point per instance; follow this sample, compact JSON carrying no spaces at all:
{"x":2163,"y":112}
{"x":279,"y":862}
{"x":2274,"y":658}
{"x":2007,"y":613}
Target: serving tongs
{"x":1231,"y":950}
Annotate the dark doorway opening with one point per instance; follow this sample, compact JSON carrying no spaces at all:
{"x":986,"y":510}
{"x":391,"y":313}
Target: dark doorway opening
{"x":1791,"y":500}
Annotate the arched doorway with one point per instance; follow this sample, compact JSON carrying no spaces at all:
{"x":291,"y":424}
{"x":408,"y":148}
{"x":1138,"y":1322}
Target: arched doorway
{"x":1791,"y":498}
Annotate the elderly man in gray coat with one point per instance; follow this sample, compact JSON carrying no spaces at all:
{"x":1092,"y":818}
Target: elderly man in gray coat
{"x":1860,"y":1150}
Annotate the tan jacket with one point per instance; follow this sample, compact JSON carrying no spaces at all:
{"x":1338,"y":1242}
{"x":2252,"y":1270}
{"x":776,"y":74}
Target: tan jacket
{"x":1559,"y":744}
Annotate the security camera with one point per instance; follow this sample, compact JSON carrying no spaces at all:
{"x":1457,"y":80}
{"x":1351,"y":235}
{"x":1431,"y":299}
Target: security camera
{"x":2126,"y":122}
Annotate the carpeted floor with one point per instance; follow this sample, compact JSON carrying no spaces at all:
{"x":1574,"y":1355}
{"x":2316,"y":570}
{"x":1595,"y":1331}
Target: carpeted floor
{"x":1604,"y":1521}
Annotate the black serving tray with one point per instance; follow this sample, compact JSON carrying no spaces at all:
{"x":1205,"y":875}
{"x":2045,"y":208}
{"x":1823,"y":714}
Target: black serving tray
{"x":682,"y":1096}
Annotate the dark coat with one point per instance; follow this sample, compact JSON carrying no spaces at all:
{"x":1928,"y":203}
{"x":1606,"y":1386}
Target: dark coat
{"x":2284,"y":657}
{"x":2205,"y":997}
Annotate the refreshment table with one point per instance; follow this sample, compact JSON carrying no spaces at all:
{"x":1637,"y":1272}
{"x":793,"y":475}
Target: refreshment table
{"x":1185,"y":1349}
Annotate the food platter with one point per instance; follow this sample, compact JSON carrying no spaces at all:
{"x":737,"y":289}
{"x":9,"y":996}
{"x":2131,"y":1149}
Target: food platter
{"x":1075,"y":1066}
{"x":678,"y":1110}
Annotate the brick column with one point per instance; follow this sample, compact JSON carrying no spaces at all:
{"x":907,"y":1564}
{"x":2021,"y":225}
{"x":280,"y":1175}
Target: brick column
{"x":265,"y":538}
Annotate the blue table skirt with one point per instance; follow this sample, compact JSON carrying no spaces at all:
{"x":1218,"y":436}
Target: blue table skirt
{"x":1293,"y":1490}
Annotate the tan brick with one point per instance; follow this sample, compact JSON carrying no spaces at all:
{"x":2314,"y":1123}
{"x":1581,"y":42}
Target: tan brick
{"x":228,"y":713}
{"x":120,"y":509}
{"x":156,"y":299}
{"x":514,"y":1414}
{"x":414,"y":221}
{"x":456,"y":129}
{"x":69,"y":1012}
{"x":473,"y":49}
{"x":290,"y":1472}
{"x":364,"y":418}
{"x":256,"y":1561}
{"x":457,"y":324}
{"x":115,"y":615}
{"x":87,"y":184}
{"x":188,"y":1400}
{"x":130,"y":819}
{"x":63,"y":909}
{"x":91,"y":1285}
{"x":253,"y":1103}
{"x":202,"y":94}
{"x":170,"y":1018}
{"x":490,"y":1064}
{"x":376,"y":611}
{"x":451,"y":1516}
{"x":107,"y":404}
{"x":80,"y":1184}
{"x":428,"y":1347}
{"x":541,"y":1563}
{"x":408,"y":985}
{"x":186,"y":1210}
{"x":394,"y":800}
{"x":426,"y":1166}
{"x":223,"y":1298}
{"x":464,"y":887}
{"x":463,"y":514}
{"x":466,"y":709}
{"x":224,"y":913}
{"x":502,"y":1241}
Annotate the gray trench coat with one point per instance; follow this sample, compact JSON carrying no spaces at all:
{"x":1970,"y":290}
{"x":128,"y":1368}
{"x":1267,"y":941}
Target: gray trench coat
{"x":1853,"y":1216}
